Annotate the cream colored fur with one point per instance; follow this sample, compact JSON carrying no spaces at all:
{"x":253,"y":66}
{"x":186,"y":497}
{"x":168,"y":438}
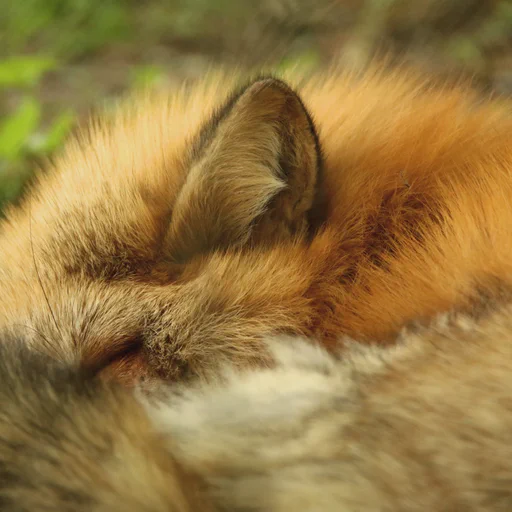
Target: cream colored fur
{"x":423,"y":425}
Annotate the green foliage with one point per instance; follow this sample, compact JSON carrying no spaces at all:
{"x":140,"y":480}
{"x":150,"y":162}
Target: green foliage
{"x":17,"y":128}
{"x":56,"y":134}
{"x":22,"y":136}
{"x":305,"y":61}
{"x":66,"y":28}
{"x":146,"y":76}
{"x":24,"y":71}
{"x":466,"y":50}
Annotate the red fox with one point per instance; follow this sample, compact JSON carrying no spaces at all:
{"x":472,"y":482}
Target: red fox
{"x":171,"y":237}
{"x":175,"y":243}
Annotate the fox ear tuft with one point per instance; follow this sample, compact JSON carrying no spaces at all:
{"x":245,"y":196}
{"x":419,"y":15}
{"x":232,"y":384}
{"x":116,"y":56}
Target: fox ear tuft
{"x":254,"y":176}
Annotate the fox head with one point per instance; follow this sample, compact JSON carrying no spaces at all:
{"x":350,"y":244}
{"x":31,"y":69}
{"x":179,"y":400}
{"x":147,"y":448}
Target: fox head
{"x":174,"y":235}
{"x":158,"y":242}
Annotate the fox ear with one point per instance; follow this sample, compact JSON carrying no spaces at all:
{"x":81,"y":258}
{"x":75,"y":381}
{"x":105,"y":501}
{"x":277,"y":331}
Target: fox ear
{"x":254,"y":174}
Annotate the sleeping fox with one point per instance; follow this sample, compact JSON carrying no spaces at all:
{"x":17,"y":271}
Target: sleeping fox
{"x":172,"y":246}
{"x":169,"y":238}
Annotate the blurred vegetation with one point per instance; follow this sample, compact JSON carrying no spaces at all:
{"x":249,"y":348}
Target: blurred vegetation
{"x":60,"y":58}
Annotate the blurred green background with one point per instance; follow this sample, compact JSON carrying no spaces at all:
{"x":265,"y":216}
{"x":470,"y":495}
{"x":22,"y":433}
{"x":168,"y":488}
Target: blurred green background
{"x":61,"y":58}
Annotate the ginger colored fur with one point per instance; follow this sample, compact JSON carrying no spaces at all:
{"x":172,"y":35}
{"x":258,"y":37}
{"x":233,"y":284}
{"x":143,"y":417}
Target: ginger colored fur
{"x":176,"y":237}
{"x":173,"y":235}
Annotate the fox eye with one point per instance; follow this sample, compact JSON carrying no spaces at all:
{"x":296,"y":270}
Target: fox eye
{"x":123,"y":361}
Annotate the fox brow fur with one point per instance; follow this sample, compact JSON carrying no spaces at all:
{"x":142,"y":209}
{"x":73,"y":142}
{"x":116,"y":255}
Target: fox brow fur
{"x":414,"y":177}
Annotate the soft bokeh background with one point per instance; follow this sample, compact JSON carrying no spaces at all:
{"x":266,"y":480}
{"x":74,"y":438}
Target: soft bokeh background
{"x":61,"y":58}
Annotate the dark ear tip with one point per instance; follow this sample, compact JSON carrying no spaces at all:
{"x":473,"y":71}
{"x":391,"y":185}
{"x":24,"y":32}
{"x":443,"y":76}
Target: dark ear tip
{"x":263,"y":83}
{"x":270,"y":81}
{"x":267,"y":81}
{"x":250,"y":89}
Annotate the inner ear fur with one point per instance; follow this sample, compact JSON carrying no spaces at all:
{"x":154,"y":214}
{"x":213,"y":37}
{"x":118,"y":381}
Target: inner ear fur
{"x":254,"y":175}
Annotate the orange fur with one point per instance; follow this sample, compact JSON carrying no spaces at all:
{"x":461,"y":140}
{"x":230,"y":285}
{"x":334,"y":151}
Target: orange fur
{"x":417,"y":184}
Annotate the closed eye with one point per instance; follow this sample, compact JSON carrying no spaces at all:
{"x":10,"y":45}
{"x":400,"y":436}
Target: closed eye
{"x":120,"y":360}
